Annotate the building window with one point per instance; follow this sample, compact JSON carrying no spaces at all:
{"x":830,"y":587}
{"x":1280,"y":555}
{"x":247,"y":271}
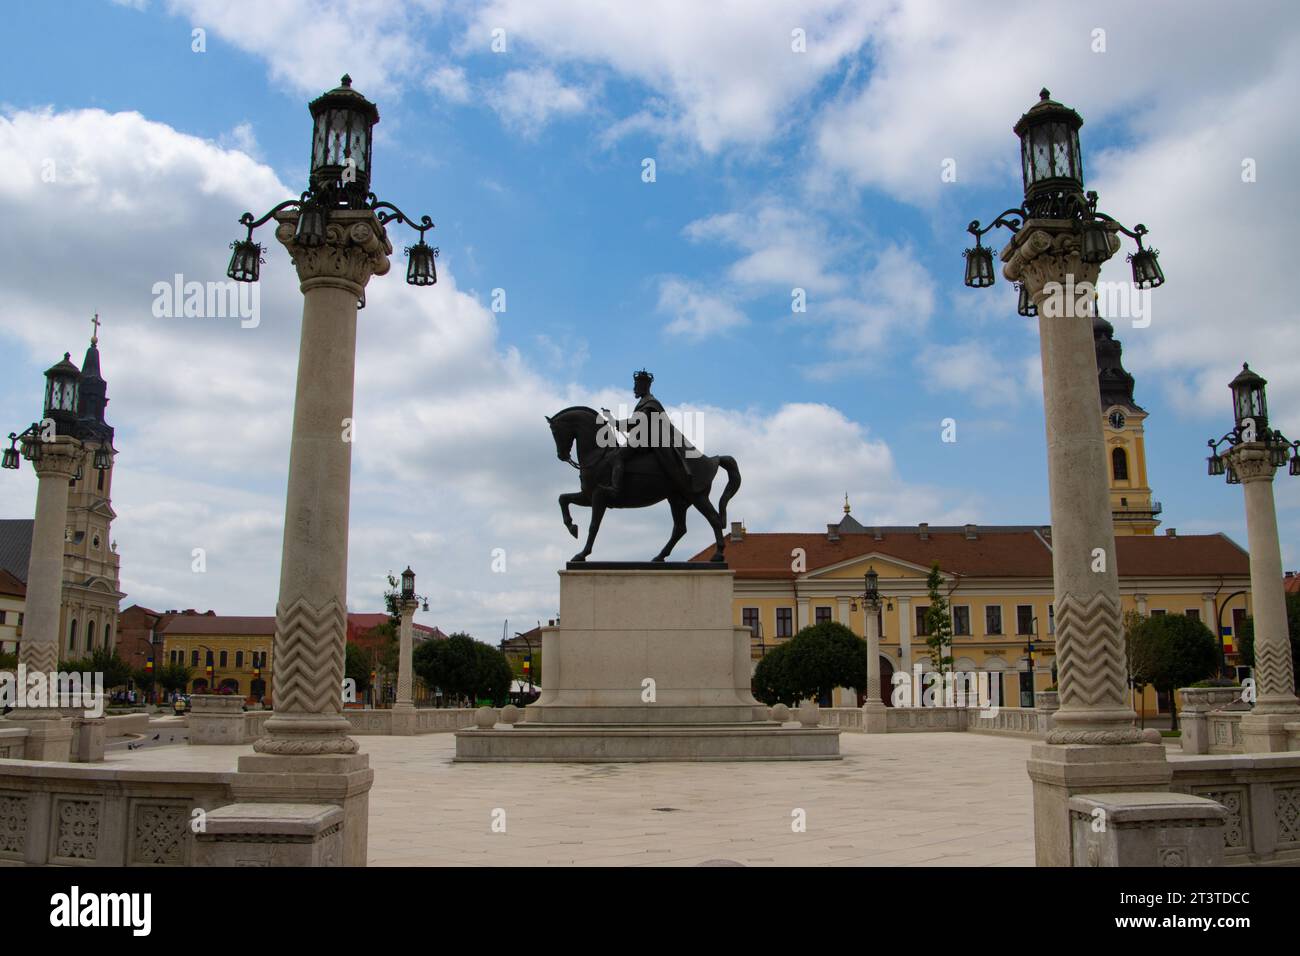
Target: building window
{"x":108,"y":635}
{"x":961,"y":619}
{"x":1192,"y":612}
{"x":748,"y":617}
{"x":2,"y":617}
{"x":1159,"y":612}
{"x":1051,"y":619}
{"x":1024,"y":619}
{"x":993,"y":619}
{"x":921,"y":629}
{"x":72,"y":636}
{"x":784,"y":621}
{"x":194,"y":658}
{"x":823,"y":615}
{"x":1119,"y":464}
{"x":223,"y":658}
{"x":90,"y":635}
{"x":239,"y":658}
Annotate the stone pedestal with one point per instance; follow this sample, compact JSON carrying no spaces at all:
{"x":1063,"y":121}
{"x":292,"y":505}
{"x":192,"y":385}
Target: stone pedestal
{"x":646,"y":665}
{"x":873,"y":710}
{"x":88,"y":739}
{"x":49,"y":733}
{"x":271,"y":834}
{"x":338,"y":779}
{"x":216,"y":719}
{"x":1147,"y":829}
{"x":404,"y":720}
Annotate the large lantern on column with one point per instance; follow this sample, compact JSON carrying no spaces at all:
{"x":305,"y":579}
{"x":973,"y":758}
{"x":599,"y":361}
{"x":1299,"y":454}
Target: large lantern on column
{"x":342,"y":123}
{"x":872,"y":579}
{"x":1248,"y":400}
{"x":62,"y":395}
{"x":1051,"y":162}
{"x":408,"y":584}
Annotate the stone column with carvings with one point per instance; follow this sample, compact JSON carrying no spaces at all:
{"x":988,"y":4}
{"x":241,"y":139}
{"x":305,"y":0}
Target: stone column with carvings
{"x":308,"y":734}
{"x":404,"y":707}
{"x":1094,"y":744}
{"x":55,"y":461}
{"x":1263,"y":729}
{"x":905,"y":634}
{"x":873,"y":709}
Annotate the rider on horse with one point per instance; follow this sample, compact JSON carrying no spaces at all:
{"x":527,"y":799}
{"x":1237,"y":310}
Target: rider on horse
{"x":650,"y":430}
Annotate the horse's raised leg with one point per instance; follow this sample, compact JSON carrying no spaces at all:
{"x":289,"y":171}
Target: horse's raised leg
{"x":705,"y":507}
{"x":572,"y":498}
{"x":679,"y":506}
{"x":597,"y":512}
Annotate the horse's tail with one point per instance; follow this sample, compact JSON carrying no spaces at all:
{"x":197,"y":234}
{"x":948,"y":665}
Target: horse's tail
{"x":728,"y":464}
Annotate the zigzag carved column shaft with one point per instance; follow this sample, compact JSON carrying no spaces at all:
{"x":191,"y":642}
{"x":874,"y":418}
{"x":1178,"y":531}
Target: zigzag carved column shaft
{"x":40,"y":658}
{"x":1046,"y":256}
{"x":309,"y":652}
{"x":1274,"y":670}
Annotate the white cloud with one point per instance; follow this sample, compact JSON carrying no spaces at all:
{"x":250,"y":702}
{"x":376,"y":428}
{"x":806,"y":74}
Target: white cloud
{"x":695,"y":313}
{"x":526,"y":100}
{"x":978,"y":372}
{"x":450,"y":83}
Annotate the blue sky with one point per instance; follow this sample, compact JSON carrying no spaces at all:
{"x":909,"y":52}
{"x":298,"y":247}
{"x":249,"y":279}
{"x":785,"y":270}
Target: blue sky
{"x":775,"y":169}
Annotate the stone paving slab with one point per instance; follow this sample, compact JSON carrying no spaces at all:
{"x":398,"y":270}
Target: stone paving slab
{"x":935,"y":799}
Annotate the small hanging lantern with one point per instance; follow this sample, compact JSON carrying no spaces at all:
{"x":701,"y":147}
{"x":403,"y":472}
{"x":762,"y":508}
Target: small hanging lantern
{"x":1277,"y":454}
{"x":103,"y":458}
{"x":11,"y":456}
{"x":1026,"y":305}
{"x":1233,"y":477}
{"x":420,"y":270}
{"x":1095,"y":243}
{"x":1216,"y":465}
{"x":245,"y":260}
{"x":979,"y":266}
{"x":311,"y":225}
{"x":1147,"y":273}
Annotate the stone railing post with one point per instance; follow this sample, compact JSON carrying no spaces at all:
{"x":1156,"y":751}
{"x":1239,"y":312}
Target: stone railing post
{"x":873,"y":711}
{"x":1093,"y":744}
{"x":404,"y":723}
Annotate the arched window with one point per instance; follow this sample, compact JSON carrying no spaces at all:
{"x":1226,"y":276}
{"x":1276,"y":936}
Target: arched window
{"x":239,"y":658}
{"x":108,"y":635}
{"x":72,"y":636}
{"x":1119,"y":464}
{"x":90,"y":635}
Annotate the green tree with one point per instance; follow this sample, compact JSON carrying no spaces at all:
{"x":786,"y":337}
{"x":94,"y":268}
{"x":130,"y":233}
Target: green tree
{"x":1137,"y":657}
{"x":463,"y":669}
{"x":811,"y":665}
{"x":1173,"y":651}
{"x":938,"y":623}
{"x":8,"y":661}
{"x":102,"y":660}
{"x":356,"y":666}
{"x":1246,"y":639}
{"x":174,"y":677}
{"x":492,"y":674}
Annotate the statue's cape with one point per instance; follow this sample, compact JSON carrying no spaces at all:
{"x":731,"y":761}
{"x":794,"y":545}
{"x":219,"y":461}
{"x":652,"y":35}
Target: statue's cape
{"x":657,"y":433}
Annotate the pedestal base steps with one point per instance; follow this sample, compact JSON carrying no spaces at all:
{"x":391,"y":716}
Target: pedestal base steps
{"x":646,"y":665}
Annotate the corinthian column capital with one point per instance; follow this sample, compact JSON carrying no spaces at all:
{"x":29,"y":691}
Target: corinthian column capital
{"x":356,"y":247}
{"x":1048,"y":250}
{"x":57,"y":458}
{"x":1250,"y":460}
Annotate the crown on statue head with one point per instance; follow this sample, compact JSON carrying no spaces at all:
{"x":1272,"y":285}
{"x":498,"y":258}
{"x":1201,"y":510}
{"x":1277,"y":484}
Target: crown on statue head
{"x":643,"y":376}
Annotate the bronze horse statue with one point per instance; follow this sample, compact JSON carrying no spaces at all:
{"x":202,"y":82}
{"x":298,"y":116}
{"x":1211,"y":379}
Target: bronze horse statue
{"x":646,"y":482}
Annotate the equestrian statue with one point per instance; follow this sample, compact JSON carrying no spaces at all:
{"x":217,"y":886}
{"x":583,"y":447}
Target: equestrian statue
{"x":652,"y":463}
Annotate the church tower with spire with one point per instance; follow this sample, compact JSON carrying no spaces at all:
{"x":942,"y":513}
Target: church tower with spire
{"x":1122,"y":424}
{"x":91,"y":581}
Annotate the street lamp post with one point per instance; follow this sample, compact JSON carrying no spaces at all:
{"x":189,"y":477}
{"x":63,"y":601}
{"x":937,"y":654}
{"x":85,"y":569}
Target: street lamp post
{"x":1059,"y":242}
{"x":1254,"y":452}
{"x":874,"y":716}
{"x":336,"y":238}
{"x":55,"y":449}
{"x":404,"y":717}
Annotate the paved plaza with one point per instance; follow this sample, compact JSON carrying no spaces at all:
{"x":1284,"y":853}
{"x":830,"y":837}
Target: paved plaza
{"x":934,"y":799}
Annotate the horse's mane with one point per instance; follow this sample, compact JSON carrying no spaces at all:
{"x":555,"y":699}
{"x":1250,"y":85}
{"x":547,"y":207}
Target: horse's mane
{"x":574,"y":408}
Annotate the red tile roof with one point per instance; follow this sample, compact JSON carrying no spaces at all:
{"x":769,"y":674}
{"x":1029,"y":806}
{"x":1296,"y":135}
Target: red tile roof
{"x":1292,"y":583}
{"x":11,"y":585}
{"x":994,"y":551}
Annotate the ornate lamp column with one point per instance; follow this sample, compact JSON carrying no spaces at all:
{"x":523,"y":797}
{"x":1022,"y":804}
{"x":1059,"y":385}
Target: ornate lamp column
{"x":56,"y":454}
{"x":335,"y":236}
{"x":1059,"y":244}
{"x":1255,"y":452}
{"x":873,"y":710}
{"x":404,"y":707}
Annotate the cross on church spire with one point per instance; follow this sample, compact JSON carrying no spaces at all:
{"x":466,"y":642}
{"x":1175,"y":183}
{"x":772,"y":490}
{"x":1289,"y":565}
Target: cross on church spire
{"x":94,"y":336}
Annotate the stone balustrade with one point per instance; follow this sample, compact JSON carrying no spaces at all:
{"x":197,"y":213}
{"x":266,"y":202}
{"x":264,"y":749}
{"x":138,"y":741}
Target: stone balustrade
{"x":1008,"y":721}
{"x":374,"y":723}
{"x":1210,"y":718}
{"x":92,"y":815}
{"x":1261,"y":793}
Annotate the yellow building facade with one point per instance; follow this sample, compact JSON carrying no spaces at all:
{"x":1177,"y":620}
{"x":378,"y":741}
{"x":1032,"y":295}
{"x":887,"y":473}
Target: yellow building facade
{"x":239,"y":651}
{"x":997,"y":579}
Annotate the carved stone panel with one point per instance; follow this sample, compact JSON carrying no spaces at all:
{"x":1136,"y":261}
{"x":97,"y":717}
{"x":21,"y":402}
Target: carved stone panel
{"x":76,"y":822}
{"x":159,"y":833}
{"x":14,"y":813}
